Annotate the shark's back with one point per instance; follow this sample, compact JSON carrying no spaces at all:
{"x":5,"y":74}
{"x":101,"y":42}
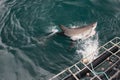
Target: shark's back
{"x":81,"y":31}
{"x":74,"y":31}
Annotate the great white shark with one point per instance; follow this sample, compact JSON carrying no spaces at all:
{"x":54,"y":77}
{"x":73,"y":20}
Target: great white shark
{"x":83,"y":32}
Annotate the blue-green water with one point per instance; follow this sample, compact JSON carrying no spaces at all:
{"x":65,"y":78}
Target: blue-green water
{"x":28,"y":52}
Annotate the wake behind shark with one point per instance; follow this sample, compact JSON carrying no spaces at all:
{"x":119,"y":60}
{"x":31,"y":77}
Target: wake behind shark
{"x":83,"y":32}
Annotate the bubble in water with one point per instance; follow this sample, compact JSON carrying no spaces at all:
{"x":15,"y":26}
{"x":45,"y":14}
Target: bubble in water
{"x":88,"y":48}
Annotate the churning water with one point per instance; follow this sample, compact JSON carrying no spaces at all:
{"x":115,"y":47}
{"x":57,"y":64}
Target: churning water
{"x":31,"y":47}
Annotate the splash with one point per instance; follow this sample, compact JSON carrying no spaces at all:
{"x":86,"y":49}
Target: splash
{"x":88,"y":48}
{"x":50,"y":32}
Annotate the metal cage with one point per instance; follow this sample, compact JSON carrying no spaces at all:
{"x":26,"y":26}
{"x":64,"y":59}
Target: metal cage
{"x":105,"y":67}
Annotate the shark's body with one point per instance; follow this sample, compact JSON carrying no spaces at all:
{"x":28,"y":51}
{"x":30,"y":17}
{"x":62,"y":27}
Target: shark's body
{"x":80,"y":32}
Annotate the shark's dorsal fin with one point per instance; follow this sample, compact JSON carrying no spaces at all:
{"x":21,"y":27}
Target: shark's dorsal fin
{"x":63,"y":28}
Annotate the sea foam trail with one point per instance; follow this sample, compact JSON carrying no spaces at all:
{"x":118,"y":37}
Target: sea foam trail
{"x":88,"y":48}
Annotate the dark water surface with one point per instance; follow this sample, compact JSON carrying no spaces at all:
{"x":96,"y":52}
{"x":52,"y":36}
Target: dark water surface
{"x":28,"y":52}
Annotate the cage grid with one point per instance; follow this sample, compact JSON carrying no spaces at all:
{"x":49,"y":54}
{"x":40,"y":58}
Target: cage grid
{"x":105,"y":67}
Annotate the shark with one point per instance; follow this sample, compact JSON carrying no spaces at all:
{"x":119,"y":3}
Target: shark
{"x":82,"y":32}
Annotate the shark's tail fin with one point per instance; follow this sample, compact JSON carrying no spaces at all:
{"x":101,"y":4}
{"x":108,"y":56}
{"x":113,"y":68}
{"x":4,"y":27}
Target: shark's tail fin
{"x":63,"y":28}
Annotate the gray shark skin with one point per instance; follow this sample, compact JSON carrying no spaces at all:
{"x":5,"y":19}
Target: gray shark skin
{"x":83,"y":32}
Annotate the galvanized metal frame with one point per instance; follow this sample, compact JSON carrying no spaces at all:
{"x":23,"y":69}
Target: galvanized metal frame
{"x":116,"y":43}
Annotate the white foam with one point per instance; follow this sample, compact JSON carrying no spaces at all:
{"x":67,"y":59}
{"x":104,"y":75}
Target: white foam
{"x":88,"y":48}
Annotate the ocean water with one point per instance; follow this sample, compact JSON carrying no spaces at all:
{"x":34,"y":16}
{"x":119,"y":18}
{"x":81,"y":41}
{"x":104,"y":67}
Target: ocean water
{"x":32,"y":49}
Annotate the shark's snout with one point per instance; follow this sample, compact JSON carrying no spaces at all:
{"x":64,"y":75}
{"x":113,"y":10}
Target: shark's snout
{"x":94,"y":25}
